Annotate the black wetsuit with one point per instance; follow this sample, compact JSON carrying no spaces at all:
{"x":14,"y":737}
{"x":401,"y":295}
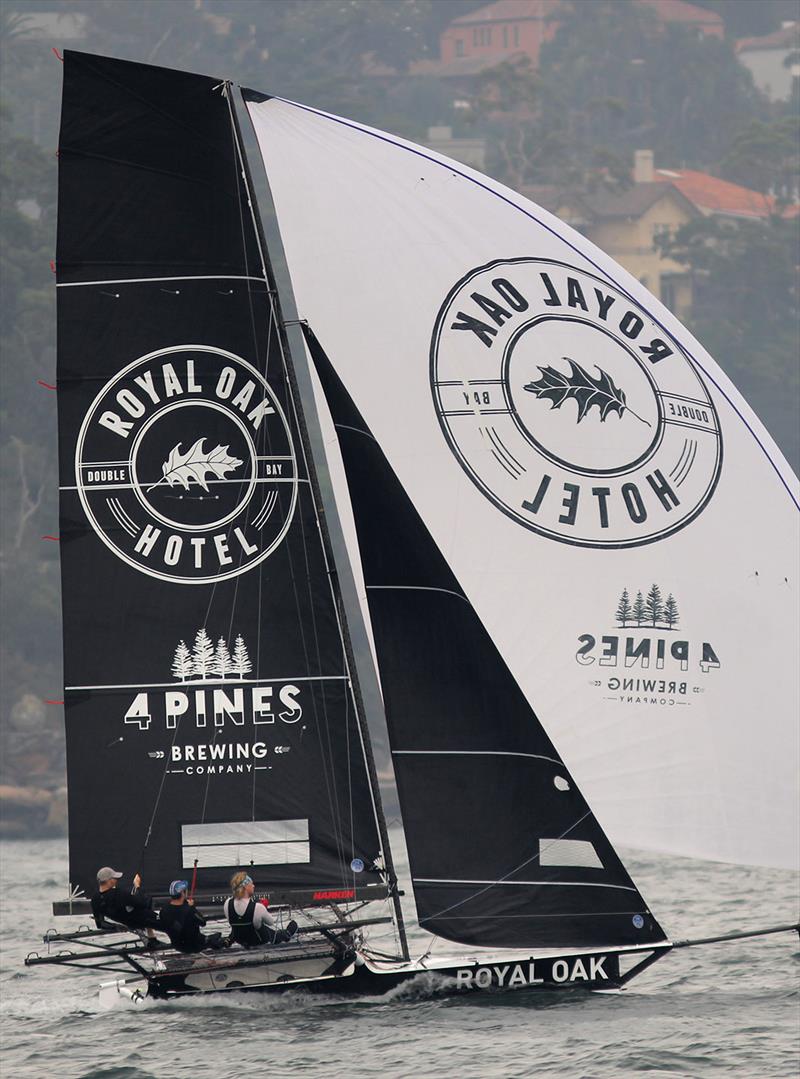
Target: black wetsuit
{"x":134,"y":909}
{"x":182,"y":923}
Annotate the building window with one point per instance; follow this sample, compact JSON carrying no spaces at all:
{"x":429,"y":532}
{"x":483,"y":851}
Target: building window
{"x":482,"y":35}
{"x":459,"y":47}
{"x":516,"y":36}
{"x":662,"y":231}
{"x":505,"y":37}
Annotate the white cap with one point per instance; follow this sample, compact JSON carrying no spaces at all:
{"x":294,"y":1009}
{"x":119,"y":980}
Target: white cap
{"x":107,"y":873}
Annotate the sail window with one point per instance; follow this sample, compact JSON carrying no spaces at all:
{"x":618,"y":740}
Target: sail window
{"x":560,"y":783}
{"x":569,"y":852}
{"x":235,"y":843}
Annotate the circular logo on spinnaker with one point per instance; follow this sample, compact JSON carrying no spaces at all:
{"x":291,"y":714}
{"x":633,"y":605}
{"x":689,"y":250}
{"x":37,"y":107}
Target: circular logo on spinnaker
{"x":185,"y":466}
{"x":570,"y":408}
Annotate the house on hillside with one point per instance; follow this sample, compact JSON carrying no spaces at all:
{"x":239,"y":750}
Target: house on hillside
{"x":627,"y":224}
{"x":773,"y":60}
{"x":507,"y":28}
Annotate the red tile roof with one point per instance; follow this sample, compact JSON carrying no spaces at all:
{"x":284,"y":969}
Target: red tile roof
{"x":505,"y":10}
{"x":678,"y":11}
{"x":713,"y":195}
{"x":785,"y":38}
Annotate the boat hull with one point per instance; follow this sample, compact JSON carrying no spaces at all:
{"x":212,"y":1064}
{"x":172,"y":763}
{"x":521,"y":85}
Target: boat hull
{"x":353,"y":974}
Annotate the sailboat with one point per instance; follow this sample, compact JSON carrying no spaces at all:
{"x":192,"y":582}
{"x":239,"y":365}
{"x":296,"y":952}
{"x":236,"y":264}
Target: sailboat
{"x":565,"y":525}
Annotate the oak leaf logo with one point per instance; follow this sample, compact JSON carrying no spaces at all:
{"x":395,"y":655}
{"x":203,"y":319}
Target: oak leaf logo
{"x":579,"y":386}
{"x":196,"y":464}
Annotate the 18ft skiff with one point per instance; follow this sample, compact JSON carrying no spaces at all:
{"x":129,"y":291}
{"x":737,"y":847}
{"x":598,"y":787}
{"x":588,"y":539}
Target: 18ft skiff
{"x":551,"y":497}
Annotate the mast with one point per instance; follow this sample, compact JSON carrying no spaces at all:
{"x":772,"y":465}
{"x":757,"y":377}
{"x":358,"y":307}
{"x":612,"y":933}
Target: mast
{"x":327,"y":546}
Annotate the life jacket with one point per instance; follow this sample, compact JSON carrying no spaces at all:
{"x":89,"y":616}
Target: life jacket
{"x":242,"y":928}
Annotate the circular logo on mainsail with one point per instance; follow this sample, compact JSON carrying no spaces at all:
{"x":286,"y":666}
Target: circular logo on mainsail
{"x":571,"y":409}
{"x":185,"y":467}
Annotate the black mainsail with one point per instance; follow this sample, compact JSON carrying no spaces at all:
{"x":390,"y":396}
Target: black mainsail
{"x":209,"y":708}
{"x":503,"y":848}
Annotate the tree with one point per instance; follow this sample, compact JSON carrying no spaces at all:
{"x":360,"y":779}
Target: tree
{"x":624,"y":608}
{"x":654,"y":605}
{"x":182,"y":665}
{"x":619,"y":77}
{"x":222,"y":659}
{"x":241,"y":660}
{"x":639,"y":609}
{"x":766,"y":157}
{"x":203,"y":655}
{"x":671,"y":611}
{"x":745,"y":310}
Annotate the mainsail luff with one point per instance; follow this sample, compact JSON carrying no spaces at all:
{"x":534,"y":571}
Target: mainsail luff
{"x":322,"y":524}
{"x":186,"y":516}
{"x":503,"y":849}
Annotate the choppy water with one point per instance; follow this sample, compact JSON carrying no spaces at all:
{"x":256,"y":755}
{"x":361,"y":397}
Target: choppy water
{"x":727,"y":1009}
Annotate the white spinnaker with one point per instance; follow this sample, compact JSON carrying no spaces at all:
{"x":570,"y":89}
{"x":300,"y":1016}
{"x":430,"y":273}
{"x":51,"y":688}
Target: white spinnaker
{"x":682,"y":755}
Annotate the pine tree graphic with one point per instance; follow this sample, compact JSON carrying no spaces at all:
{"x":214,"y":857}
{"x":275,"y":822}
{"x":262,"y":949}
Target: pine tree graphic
{"x":223,"y":664}
{"x":203,"y":655}
{"x":639,"y":609}
{"x":182,"y":666}
{"x":624,"y":611}
{"x":241,"y":660}
{"x":654,"y":605}
{"x":671,"y":611}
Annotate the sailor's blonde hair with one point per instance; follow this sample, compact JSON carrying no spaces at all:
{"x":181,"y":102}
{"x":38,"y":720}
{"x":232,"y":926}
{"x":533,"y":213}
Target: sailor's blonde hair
{"x":238,"y":882}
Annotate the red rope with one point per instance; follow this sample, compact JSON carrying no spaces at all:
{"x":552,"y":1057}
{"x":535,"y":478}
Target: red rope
{"x":55,"y":539}
{"x":57,"y":54}
{"x":46,"y":385}
{"x":47,"y":700}
{"x":194,"y":880}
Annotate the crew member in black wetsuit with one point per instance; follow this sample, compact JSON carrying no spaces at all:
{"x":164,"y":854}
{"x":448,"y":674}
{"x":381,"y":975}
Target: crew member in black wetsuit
{"x":251,"y":923}
{"x":132,"y":909}
{"x":181,"y":921}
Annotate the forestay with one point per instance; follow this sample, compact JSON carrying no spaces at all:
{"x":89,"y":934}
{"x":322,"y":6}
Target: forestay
{"x":621,"y":522}
{"x":208,"y":707}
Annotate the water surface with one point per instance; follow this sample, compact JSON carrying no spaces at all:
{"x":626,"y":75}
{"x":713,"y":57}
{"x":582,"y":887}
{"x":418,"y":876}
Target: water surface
{"x":726,"y":1009}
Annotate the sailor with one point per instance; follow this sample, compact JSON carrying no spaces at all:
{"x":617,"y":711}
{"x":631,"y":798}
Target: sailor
{"x":251,"y":923}
{"x":182,"y":921}
{"x":132,"y":908}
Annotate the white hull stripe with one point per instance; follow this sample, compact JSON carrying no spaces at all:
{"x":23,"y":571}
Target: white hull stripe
{"x":534,"y":883}
{"x":155,"y":280}
{"x":471,"y":753}
{"x":229,"y":684}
